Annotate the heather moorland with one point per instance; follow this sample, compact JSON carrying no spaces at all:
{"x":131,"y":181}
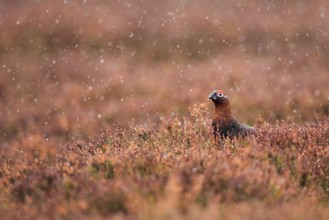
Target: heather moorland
{"x":104,"y":109}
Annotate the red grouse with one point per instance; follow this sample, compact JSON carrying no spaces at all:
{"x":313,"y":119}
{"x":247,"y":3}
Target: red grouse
{"x":224,"y":124}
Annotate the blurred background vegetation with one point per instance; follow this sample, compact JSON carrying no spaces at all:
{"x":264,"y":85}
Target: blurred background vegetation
{"x":73,"y":66}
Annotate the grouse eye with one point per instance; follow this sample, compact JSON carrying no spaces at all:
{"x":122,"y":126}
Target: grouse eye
{"x":220,"y":94}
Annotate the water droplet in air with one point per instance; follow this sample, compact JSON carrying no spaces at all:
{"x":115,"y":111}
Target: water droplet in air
{"x":317,"y":92}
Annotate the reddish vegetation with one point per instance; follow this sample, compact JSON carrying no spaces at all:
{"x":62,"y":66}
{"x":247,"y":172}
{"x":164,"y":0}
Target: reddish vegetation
{"x":104,"y":109}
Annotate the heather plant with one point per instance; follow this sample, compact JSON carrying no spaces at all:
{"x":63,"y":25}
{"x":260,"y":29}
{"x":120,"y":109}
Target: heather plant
{"x":106,"y":176}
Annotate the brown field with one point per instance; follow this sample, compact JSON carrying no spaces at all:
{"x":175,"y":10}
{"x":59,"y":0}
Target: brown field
{"x":104,"y":110}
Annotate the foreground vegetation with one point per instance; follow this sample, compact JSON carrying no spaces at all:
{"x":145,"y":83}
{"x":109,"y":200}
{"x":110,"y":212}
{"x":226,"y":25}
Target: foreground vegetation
{"x":171,"y":171}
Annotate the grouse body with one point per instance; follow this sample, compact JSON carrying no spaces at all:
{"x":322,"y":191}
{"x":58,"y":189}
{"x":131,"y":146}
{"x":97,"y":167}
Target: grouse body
{"x":224,"y":124}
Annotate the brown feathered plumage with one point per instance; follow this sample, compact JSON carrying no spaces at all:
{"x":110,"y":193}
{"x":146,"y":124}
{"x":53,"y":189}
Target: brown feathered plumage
{"x":224,"y":124}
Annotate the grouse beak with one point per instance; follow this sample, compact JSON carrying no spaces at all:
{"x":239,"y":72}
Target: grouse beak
{"x":212,"y":96}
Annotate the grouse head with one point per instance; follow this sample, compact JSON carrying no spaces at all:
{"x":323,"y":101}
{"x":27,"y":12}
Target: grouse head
{"x":219,"y":97}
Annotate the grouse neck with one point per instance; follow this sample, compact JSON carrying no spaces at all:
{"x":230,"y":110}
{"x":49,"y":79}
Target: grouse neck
{"x":223,"y":110}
